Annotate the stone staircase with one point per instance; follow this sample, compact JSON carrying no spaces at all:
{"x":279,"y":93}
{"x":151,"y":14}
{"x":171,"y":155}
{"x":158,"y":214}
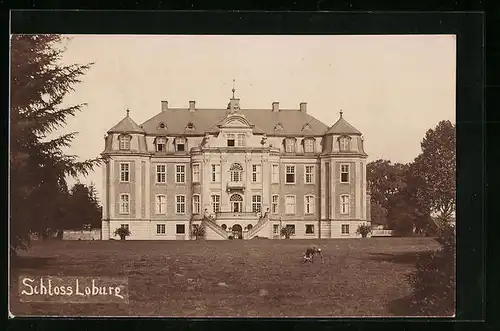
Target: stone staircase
{"x":210,"y":224}
{"x":261,"y":224}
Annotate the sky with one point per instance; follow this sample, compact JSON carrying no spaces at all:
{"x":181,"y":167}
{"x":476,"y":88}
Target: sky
{"x":391,"y":88}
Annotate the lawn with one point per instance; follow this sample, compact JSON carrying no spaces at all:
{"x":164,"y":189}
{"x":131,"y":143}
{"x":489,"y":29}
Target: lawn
{"x":359,"y":277}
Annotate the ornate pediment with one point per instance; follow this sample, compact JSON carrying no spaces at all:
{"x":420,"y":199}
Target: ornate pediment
{"x":235,"y":121}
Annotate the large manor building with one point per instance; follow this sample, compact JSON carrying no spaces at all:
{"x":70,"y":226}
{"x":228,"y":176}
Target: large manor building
{"x":241,"y":173}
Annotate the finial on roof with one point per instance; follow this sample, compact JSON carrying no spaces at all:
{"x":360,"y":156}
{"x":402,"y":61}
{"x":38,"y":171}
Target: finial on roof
{"x":128,"y":111}
{"x":233,"y":89}
{"x":341,"y":112}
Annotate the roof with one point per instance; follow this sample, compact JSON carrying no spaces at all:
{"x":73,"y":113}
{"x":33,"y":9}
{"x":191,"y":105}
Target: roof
{"x":206,"y":120}
{"x":126,"y":125}
{"x":343,"y":127}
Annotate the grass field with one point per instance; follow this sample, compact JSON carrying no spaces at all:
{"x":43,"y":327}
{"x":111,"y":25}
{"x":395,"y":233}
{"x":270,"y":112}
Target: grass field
{"x":359,"y":277}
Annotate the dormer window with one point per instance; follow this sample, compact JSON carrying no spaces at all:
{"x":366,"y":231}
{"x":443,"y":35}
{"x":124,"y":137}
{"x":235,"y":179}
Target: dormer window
{"x":308,"y":145}
{"x":162,"y":125}
{"x":190,"y":126}
{"x":278,"y":127}
{"x":290,"y":145}
{"x":160,"y":144}
{"x":180,"y":144}
{"x":231,"y":140}
{"x":125,"y":142}
{"x":345,"y":144}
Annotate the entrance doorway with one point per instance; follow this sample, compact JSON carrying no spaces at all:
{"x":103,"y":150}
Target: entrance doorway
{"x":236,"y":201}
{"x":237,"y":231}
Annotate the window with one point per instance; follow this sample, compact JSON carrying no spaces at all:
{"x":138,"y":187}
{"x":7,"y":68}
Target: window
{"x":190,"y":126}
{"x":196,"y":204}
{"x":180,"y":229}
{"x":224,"y":226}
{"x":289,"y":145}
{"x":230,"y":140}
{"x":124,"y":226}
{"x":290,"y":174}
{"x":276,"y":229}
{"x":236,"y":172}
{"x":161,"y":204}
{"x":180,"y":173}
{"x":344,"y":204}
{"x":162,"y":125}
{"x":256,"y":203}
{"x":180,"y":144}
{"x":275,"y":175}
{"x":124,"y":204}
{"x":344,"y":173}
{"x":215,"y":203}
{"x":161,"y":173}
{"x":345,"y":229}
{"x":125,"y":142}
{"x":291,"y":228}
{"x":160,"y":144}
{"x":290,"y":204}
{"x":236,"y":202}
{"x":309,"y":228}
{"x":256,"y":173}
{"x":345,"y":144}
{"x":160,"y":229}
{"x":196,"y":173}
{"x":309,"y":145}
{"x":124,"y":172}
{"x":180,"y":204}
{"x":215,"y":173}
{"x":241,"y":139}
{"x":309,"y":204}
{"x":275,"y":204}
{"x":309,"y":174}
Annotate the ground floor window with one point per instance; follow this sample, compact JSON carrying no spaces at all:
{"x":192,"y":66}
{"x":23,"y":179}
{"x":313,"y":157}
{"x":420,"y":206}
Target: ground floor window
{"x":276,"y":229}
{"x":309,"y":228}
{"x":125,"y":226}
{"x":345,"y":228}
{"x":180,"y":229}
{"x":160,"y":229}
{"x":291,"y":228}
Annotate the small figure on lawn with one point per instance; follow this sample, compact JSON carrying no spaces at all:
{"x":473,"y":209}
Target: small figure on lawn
{"x":311,"y":253}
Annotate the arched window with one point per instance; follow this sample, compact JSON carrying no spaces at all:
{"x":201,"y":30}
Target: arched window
{"x":236,"y":171}
{"x":236,"y":202}
{"x":345,"y":144}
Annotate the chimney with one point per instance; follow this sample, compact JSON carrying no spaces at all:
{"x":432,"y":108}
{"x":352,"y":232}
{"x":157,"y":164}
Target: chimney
{"x":192,"y":105}
{"x":164,"y":105}
{"x":303,"y":107}
{"x":276,"y":106}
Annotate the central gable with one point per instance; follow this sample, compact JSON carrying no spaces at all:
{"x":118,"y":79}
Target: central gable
{"x":235,"y":121}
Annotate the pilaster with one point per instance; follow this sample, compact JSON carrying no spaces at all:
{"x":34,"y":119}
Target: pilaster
{"x":112,"y":182}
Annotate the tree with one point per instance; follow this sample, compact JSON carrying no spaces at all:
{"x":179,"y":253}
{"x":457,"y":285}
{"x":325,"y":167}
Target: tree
{"x":286,"y":232}
{"x":123,"y":232}
{"x":385,"y":180}
{"x":434,"y":171}
{"x":198,"y":231}
{"x":364,"y":230}
{"x":38,"y":165}
{"x":84,"y":207}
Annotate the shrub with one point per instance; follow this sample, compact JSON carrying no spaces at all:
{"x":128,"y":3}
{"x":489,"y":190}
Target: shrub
{"x":123,"y":232}
{"x":434,"y":281}
{"x":198,"y":231}
{"x":286,"y":232}
{"x":364,"y":230}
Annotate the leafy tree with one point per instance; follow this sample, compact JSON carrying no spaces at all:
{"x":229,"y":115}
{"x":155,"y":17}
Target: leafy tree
{"x":364,"y":230}
{"x":434,"y":171}
{"x":84,"y":207}
{"x":198,"y":231}
{"x":385,"y":180}
{"x":286,"y":232}
{"x":123,"y":232}
{"x":38,"y":165}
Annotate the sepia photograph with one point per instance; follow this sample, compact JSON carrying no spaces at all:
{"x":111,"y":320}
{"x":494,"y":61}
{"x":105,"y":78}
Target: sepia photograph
{"x":232,"y":176}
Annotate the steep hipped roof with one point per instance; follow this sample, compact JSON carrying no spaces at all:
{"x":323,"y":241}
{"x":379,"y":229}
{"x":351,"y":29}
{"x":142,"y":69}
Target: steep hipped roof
{"x":206,"y":120}
{"x":343,"y":127}
{"x":126,"y":125}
